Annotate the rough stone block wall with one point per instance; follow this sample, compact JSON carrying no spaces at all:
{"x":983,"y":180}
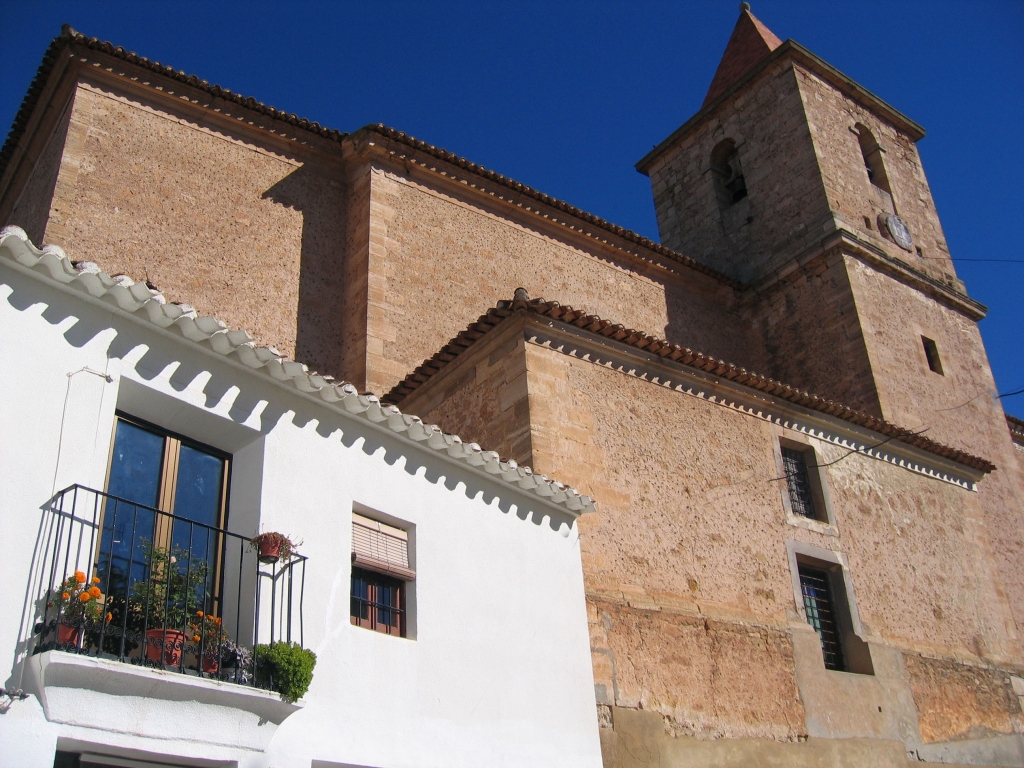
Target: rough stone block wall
{"x":691,"y":529}
{"x":484,"y":399}
{"x":831,"y":116}
{"x":439,"y":258}
{"x":211,"y":218}
{"x":786,"y":201}
{"x":31,"y":210}
{"x":962,"y":702}
{"x":826,"y":356}
{"x":957,"y":408}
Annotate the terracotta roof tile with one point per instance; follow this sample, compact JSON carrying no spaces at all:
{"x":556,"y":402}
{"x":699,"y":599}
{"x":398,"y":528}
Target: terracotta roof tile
{"x":750,"y":42}
{"x":677,"y":354}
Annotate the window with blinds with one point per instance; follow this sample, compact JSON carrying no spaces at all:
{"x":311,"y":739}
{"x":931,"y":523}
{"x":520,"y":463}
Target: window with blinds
{"x":380,"y":548}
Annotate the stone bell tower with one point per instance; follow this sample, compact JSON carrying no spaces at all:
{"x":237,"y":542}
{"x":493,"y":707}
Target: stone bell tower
{"x":784,"y":151}
{"x":807,"y":188}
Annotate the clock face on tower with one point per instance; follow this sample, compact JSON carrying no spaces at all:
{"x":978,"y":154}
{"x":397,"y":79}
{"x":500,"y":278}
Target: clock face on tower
{"x":899,"y":232}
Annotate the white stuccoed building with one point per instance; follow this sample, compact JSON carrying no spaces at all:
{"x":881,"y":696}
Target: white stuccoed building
{"x":450,"y":630}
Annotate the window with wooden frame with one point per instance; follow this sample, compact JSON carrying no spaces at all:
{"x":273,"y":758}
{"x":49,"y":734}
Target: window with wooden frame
{"x":151,"y":471}
{"x":380,"y":575}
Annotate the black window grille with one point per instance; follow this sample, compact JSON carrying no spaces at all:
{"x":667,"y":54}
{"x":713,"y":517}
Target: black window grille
{"x":798,"y":479}
{"x":378,"y":602}
{"x":123,"y":581}
{"x":819,"y":606}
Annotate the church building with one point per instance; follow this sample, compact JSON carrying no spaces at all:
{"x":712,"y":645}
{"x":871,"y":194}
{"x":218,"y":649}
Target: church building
{"x":752,"y":483}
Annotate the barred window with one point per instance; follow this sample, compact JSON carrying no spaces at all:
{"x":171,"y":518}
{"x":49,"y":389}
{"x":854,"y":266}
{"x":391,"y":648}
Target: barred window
{"x":801,"y":493}
{"x":819,"y":605}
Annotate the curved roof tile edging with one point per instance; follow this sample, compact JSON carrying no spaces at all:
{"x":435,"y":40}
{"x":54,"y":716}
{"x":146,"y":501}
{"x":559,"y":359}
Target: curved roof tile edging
{"x":681,"y":355}
{"x":141,"y":301}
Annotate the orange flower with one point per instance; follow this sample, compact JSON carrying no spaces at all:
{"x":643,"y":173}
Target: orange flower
{"x":66,"y":595}
{"x":110,"y":617}
{"x":197,"y":638}
{"x":95,"y":591}
{"x":85,"y":597}
{"x":80,"y":577}
{"x":95,"y":579}
{"x":200,"y":614}
{"x":217,"y":621}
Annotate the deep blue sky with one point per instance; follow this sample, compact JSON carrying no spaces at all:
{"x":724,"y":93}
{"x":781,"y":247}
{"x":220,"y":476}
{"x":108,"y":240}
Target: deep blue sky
{"x":566,"y":97}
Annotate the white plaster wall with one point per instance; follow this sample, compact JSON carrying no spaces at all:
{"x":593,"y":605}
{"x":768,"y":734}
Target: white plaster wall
{"x":498,"y":672}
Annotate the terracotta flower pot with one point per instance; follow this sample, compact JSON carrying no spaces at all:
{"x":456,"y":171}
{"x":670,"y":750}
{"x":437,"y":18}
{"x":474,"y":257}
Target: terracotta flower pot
{"x":211,"y":665}
{"x":67,"y":634}
{"x":270,"y":551}
{"x":169,"y":641}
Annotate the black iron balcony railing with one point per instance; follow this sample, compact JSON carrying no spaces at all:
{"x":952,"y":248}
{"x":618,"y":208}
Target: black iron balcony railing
{"x":129,"y":582}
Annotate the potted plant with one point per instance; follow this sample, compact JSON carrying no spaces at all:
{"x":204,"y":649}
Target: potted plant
{"x":273,"y":547}
{"x":166,"y":601}
{"x":207,"y":632}
{"x":79,"y":602}
{"x":237,"y":662}
{"x":286,"y":667}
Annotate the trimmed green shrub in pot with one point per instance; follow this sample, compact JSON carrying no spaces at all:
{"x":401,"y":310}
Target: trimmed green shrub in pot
{"x":288,"y":666}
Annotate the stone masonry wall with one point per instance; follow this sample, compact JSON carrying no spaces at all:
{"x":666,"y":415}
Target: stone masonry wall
{"x":962,"y":702}
{"x":32,"y":208}
{"x":687,"y":578}
{"x":831,"y":117}
{"x":439,"y":258}
{"x":957,"y":408}
{"x":211,"y":218}
{"x":484,"y":399}
{"x":785,"y":208}
{"x":828,"y":356}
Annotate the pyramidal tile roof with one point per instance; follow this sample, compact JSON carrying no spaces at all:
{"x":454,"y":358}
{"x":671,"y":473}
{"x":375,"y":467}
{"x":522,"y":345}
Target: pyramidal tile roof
{"x":147,"y":304}
{"x":750,"y":42}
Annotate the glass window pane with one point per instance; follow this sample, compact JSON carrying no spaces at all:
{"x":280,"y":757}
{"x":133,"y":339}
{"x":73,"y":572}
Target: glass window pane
{"x":136,"y":465}
{"x":135,"y":470}
{"x":197,"y":496}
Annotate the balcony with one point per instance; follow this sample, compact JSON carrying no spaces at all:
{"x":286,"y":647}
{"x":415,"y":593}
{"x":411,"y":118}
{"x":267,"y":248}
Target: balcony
{"x":137,"y":602}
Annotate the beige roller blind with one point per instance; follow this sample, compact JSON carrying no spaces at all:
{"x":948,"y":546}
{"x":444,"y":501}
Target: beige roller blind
{"x":381,"y":548}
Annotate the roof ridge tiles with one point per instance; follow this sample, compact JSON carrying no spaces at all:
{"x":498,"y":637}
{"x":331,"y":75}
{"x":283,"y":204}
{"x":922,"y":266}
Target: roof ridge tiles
{"x":699,"y":361}
{"x":139,"y":300}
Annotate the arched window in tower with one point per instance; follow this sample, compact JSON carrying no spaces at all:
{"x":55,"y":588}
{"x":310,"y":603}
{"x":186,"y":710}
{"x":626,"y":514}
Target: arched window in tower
{"x":872,"y":154}
{"x":725,"y":167}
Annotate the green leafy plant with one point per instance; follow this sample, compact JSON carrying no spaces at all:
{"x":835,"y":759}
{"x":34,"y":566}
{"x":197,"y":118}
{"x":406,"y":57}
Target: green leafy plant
{"x":174,"y":591}
{"x":288,"y":666}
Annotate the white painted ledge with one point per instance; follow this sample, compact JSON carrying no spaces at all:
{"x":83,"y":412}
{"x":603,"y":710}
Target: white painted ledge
{"x":154,"y":704}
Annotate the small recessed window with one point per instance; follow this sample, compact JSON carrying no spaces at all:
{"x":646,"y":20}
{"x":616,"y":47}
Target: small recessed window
{"x":920,"y":253}
{"x":819,"y":606}
{"x":931,"y":352}
{"x":800,"y":470}
{"x":730,"y":185}
{"x":381,"y":575}
{"x":826,"y":607}
{"x":867,"y":222}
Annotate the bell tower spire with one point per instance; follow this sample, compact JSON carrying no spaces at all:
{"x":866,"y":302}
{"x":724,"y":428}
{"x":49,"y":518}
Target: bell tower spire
{"x":750,"y":42}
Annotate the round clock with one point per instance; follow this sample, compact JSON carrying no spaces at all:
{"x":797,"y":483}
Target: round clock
{"x":899,"y":232}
